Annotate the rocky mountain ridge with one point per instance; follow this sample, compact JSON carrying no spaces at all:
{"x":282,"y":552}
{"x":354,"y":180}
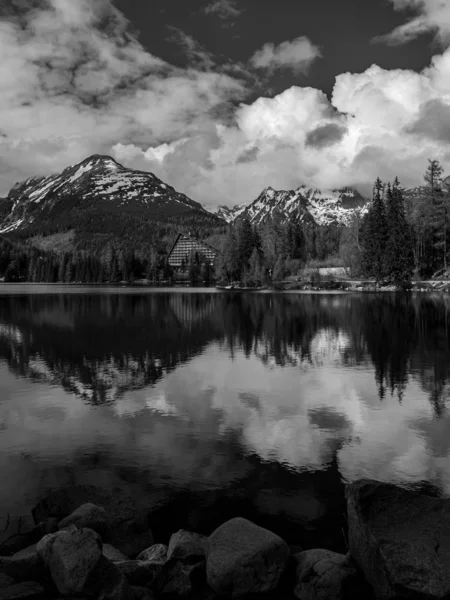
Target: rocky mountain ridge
{"x":302,"y":205}
{"x":97,"y":182}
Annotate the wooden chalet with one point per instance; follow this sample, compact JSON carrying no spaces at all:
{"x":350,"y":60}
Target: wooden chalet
{"x":185,"y":247}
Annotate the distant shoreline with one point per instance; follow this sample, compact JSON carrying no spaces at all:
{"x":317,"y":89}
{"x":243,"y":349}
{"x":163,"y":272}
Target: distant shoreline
{"x":345,"y":286}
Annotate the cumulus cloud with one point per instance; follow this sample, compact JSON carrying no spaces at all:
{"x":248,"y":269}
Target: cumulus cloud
{"x":74,"y":81}
{"x":430,"y":16}
{"x":224,"y":9}
{"x":296,"y":55}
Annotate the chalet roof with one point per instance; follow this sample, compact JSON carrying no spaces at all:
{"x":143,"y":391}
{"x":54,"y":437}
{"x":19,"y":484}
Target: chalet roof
{"x":189,"y":237}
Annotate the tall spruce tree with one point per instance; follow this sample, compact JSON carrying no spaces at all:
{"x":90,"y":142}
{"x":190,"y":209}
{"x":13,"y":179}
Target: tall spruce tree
{"x":375,"y":235}
{"x":399,"y":258}
{"x":437,"y":208}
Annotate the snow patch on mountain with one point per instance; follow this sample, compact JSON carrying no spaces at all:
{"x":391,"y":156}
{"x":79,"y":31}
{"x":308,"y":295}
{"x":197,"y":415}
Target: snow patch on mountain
{"x":93,"y":182}
{"x":328,"y":207}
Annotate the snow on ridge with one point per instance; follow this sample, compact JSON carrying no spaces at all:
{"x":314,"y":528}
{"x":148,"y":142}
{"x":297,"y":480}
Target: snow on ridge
{"x":83,"y":169}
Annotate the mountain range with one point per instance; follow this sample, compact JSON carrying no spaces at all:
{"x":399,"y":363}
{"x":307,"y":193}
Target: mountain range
{"x":303,"y":205}
{"x":98,"y":203}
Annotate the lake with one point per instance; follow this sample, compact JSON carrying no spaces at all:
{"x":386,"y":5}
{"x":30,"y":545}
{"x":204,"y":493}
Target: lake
{"x":206,"y":405}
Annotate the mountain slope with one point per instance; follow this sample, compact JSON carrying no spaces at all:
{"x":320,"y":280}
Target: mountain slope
{"x":98,"y":182}
{"x":99,"y":204}
{"x":303,"y":205}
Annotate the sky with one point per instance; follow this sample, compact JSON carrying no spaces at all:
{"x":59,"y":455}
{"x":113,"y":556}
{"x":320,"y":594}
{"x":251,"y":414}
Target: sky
{"x":222,"y":98}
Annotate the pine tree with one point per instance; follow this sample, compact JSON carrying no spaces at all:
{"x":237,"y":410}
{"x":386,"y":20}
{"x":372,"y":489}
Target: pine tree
{"x":437,"y":208}
{"x":375,"y":235}
{"x":399,"y":258}
{"x":245,"y":244}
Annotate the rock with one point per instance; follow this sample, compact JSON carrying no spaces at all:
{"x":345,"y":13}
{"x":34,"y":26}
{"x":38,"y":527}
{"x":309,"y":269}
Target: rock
{"x":49,"y":525}
{"x":5,"y":581}
{"x":156,"y":553}
{"x":28,"y":552}
{"x":23,"y":567}
{"x":27,"y":590}
{"x":181,"y":578}
{"x":106,"y":582}
{"x":322,"y":574}
{"x":400,"y":539}
{"x":87,"y":515}
{"x":71,"y":557}
{"x":242,"y":558}
{"x":113,"y":554}
{"x":184,"y":545}
{"x":129,"y":529}
{"x":141,"y":593}
{"x":138,"y":572}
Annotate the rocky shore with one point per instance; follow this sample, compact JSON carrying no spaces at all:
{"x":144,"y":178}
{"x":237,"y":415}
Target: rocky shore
{"x":90,"y":543}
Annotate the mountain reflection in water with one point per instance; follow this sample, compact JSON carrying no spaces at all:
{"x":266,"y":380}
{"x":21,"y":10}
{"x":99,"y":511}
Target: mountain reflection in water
{"x":209,"y":405}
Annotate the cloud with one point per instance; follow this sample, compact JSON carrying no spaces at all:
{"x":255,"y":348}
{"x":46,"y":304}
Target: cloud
{"x":76,"y":81}
{"x":431,"y":16}
{"x":326,"y":135}
{"x":193,"y":51}
{"x":224,"y":9}
{"x":297,"y":55}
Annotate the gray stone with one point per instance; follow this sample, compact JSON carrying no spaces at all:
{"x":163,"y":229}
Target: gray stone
{"x":71,"y":556}
{"x":113,"y":554}
{"x":27,"y":590}
{"x":138,"y":572}
{"x":106,"y":582}
{"x":28,"y":552}
{"x":141,"y":593}
{"x":400,"y":539}
{"x":23,"y":567}
{"x":242,"y":558}
{"x":324,"y":575}
{"x":129,"y":529}
{"x":156,"y":553}
{"x":87,"y":515}
{"x":184,"y":545}
{"x":180,"y":578}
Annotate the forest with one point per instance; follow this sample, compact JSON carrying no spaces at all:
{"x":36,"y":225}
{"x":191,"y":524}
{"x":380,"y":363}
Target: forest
{"x":404,"y":234}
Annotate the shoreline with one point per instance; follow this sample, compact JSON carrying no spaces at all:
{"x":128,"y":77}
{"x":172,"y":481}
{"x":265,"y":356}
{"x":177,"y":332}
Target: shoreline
{"x":128,"y":560}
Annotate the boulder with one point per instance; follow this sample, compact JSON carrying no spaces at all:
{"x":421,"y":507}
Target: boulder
{"x":184,"y":545}
{"x":106,"y":582}
{"x":138,"y":572}
{"x":87,"y":515}
{"x":156,"y":553}
{"x":242,"y":558}
{"x":141,"y":593}
{"x":113,"y":554}
{"x":71,"y":557}
{"x":181,"y":578}
{"x":27,"y":590}
{"x":322,"y":574}
{"x":400,"y":539}
{"x":19,"y":541}
{"x":23,"y":567}
{"x":129,"y":529}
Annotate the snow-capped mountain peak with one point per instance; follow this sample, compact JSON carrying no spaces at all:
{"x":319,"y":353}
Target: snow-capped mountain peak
{"x":97,"y":183}
{"x":304,"y":204}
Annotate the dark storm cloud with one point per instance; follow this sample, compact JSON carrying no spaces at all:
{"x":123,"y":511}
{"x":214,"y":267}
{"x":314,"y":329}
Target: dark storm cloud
{"x":433,"y":121}
{"x":248,"y":155}
{"x":325,"y":135}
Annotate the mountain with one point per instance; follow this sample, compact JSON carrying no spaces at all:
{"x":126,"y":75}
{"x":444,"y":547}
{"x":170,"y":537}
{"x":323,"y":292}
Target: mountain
{"x":303,"y":205}
{"x":99,"y":183}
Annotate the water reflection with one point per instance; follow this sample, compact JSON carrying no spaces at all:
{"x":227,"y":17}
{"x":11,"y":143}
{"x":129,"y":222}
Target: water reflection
{"x":269,"y":401}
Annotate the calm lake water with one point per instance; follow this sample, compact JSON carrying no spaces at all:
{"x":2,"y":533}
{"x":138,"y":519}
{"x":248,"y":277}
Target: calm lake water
{"x":206,"y":405}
